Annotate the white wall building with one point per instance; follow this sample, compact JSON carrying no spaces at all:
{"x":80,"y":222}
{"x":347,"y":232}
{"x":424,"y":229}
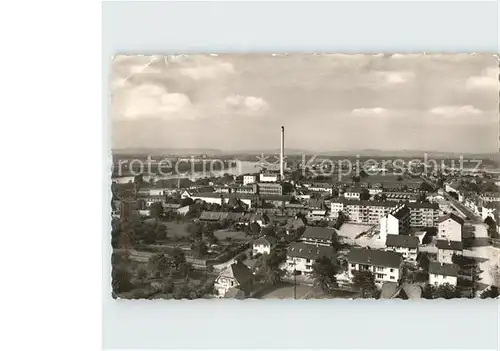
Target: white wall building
{"x":450,"y":227}
{"x":249,"y":179}
{"x":443,"y":273}
{"x":301,"y":256}
{"x":268,"y":177}
{"x":385,"y":265}
{"x":406,"y":245}
{"x":264,"y":245}
{"x":446,"y":249}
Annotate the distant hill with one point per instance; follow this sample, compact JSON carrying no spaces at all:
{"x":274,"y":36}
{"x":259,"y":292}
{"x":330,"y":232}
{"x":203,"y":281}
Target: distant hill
{"x":292,"y":151}
{"x":171,"y":151}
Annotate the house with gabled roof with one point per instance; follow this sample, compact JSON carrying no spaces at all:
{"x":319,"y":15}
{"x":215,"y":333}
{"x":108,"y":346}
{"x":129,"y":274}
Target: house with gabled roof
{"x":406,"y":245}
{"x":385,"y":265}
{"x":443,"y":273}
{"x":450,"y":227}
{"x":318,"y":236}
{"x":447,"y":248}
{"x":237,"y":275}
{"x":264,"y":245}
{"x":301,"y":256}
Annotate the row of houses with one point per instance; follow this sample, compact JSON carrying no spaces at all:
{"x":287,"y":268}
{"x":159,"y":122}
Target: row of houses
{"x":370,"y":212}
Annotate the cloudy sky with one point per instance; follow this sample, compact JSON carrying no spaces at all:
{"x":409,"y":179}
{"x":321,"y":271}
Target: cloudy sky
{"x":326,"y":102}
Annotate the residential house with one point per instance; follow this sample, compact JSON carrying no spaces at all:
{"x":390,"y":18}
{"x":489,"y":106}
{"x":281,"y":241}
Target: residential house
{"x":400,"y":196}
{"x":336,"y":206}
{"x":317,"y":203}
{"x":293,"y":224}
{"x":221,"y":198}
{"x":317,"y":215}
{"x":249,"y":179}
{"x":264,"y":245}
{"x":452,"y":187}
{"x":237,"y":275}
{"x":301,"y":256}
{"x":450,"y":227}
{"x":264,"y":188}
{"x":321,"y":188}
{"x":268,"y":177}
{"x":424,"y":214}
{"x":182,"y":210}
{"x":352,"y":193}
{"x":396,"y":222}
{"x":443,"y":273}
{"x":406,"y":245}
{"x":385,"y":265}
{"x":448,"y":248}
{"x":318,"y":236}
{"x":405,"y":291}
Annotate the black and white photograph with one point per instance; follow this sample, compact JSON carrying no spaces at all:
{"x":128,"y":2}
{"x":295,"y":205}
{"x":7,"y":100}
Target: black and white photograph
{"x":305,"y":176}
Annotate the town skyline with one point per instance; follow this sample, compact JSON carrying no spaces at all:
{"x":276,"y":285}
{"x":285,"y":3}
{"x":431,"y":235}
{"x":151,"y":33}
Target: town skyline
{"x":447,"y":103}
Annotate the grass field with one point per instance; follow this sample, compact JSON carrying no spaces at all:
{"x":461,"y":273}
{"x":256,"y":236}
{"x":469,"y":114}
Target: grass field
{"x":174,"y":228}
{"x":234,"y":235}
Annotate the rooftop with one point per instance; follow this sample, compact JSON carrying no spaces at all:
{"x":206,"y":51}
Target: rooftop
{"x":449,"y":245}
{"x":318,"y":233}
{"x":410,"y":242}
{"x":446,"y":269}
{"x":266,"y":240}
{"x":375,"y":257}
{"x":452,"y":216}
{"x":309,"y":251}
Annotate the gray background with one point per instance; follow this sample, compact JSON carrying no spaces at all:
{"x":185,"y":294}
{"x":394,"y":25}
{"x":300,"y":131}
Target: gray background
{"x":357,"y":27}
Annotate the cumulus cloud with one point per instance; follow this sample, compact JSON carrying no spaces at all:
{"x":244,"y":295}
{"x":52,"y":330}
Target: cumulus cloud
{"x":375,"y":111}
{"x":150,"y":100}
{"x":207,"y":72}
{"x":124,"y":67}
{"x":488,"y":79}
{"x":246,"y":104}
{"x":455,"y":111}
{"x":395,"y":77}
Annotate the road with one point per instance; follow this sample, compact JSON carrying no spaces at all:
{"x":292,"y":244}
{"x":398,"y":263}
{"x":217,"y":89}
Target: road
{"x":456,"y":204}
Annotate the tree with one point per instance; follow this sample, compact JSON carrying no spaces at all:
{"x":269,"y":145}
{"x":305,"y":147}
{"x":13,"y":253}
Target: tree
{"x":491,"y":292}
{"x":195,"y":230}
{"x":160,"y":265}
{"x":365,"y":281}
{"x":453,"y":195}
{"x":254,"y":228}
{"x":429,"y":291}
{"x":156,"y":210}
{"x":363,"y":174}
{"x":186,"y":202}
{"x":142,"y":275}
{"x":120,"y":280}
{"x":492,"y":227}
{"x":340,"y":220}
{"x":364,"y":194}
{"x":380,"y":197}
{"x":422,"y":198}
{"x":324,"y":271}
{"x":199,"y":248}
{"x":447,"y":291}
{"x":267,"y":268}
{"x":178,"y":258}
{"x":400,"y":178}
{"x":160,"y":231}
{"x":424,"y":186}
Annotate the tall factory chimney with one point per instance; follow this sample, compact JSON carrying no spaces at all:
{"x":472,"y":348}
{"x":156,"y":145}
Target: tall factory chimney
{"x":282,"y":173}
